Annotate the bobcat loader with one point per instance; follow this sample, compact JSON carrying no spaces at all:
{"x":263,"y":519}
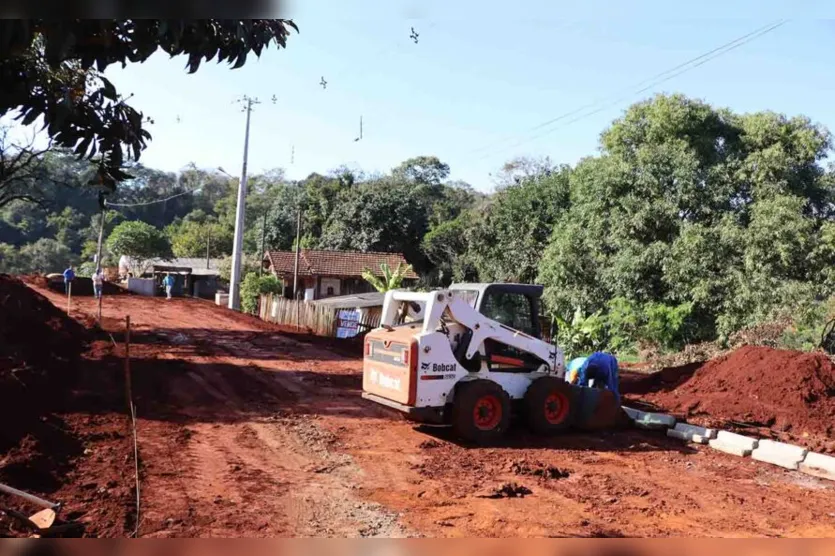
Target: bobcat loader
{"x":468,"y":356}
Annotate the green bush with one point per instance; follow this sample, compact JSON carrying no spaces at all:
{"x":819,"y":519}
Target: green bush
{"x":253,"y":287}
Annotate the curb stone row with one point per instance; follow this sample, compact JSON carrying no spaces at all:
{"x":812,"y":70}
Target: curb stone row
{"x":784,"y":455}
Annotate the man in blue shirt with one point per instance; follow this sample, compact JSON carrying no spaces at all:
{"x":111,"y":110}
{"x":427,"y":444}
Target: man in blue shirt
{"x":69,"y":276}
{"x":600,"y":367}
{"x":168,"y":282}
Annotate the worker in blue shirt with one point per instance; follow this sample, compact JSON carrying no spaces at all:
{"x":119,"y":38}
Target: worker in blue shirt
{"x":69,"y":276}
{"x":600,"y":367}
{"x":168,"y":282}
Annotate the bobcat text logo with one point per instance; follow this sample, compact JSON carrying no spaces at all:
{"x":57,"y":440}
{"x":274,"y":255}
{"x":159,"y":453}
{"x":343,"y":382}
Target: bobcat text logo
{"x":441,"y":368}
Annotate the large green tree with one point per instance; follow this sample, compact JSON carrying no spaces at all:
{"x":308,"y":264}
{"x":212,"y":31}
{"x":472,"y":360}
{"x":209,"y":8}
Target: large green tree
{"x":692,"y":206}
{"x":507,"y":243}
{"x":140,"y":242}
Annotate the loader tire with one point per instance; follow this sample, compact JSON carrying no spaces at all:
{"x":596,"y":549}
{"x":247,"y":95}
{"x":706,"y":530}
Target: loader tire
{"x":550,"y":405}
{"x":480,"y":411}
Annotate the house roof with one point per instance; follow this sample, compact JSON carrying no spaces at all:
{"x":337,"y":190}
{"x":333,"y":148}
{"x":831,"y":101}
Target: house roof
{"x":196,"y":264}
{"x":372,"y":299}
{"x":315,"y":262}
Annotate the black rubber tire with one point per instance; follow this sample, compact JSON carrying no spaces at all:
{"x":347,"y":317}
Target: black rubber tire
{"x":550,"y":394}
{"x":471,"y":398}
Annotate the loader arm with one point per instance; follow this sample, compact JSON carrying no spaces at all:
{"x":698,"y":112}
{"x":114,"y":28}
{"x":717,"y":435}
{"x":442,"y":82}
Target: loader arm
{"x":438,"y":303}
{"x":484,"y":328}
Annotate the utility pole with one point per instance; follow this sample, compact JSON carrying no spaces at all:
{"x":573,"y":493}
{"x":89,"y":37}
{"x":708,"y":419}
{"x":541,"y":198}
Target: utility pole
{"x":263,"y":243}
{"x":102,"y":203}
{"x":238,"y":246}
{"x":208,"y":239}
{"x":298,"y":240}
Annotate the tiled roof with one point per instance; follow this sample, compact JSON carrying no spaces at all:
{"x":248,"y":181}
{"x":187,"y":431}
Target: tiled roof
{"x":314,"y":262}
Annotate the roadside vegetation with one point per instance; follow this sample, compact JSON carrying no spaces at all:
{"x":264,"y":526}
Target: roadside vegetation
{"x":693,"y":224}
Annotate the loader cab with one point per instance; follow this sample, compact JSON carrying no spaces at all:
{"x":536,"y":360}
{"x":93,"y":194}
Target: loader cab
{"x":513,"y":305}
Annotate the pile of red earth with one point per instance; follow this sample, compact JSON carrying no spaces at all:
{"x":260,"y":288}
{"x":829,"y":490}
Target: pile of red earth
{"x":39,"y":352}
{"x":788,"y":391}
{"x":81,"y":286}
{"x":61,"y":435}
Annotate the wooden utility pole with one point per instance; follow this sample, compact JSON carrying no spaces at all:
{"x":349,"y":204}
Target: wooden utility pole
{"x":298,"y":241}
{"x":208,"y":239}
{"x":98,"y":255}
{"x":263,"y":243}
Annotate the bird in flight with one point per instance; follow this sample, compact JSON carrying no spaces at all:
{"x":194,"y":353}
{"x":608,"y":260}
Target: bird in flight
{"x":323,"y":83}
{"x":414,"y":35}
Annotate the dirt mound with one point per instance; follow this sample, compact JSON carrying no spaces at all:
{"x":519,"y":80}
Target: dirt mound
{"x":33,"y":332}
{"x":788,"y":391}
{"x":81,"y":286}
{"x":39,"y":351}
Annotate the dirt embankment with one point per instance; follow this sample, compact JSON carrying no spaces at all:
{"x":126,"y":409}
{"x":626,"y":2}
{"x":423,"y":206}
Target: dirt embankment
{"x":787,"y":391}
{"x":58,"y":436}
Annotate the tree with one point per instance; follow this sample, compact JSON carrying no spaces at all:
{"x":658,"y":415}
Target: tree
{"x":448,"y":249}
{"x":140,"y":242}
{"x":425,"y":170}
{"x":191,"y":239}
{"x":20,"y":167}
{"x":694,"y":222}
{"x":507,"y":244}
{"x":253,"y":287}
{"x":53,"y":69}
{"x":390,"y":279}
{"x":43,"y":256}
{"x":382,"y":215}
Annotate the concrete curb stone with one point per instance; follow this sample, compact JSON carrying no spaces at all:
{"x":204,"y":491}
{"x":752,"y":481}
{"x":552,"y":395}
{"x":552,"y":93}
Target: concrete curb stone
{"x":818,"y":465}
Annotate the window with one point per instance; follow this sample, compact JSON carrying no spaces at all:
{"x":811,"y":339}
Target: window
{"x":509,"y":309}
{"x":468,"y":296}
{"x":330,"y":290}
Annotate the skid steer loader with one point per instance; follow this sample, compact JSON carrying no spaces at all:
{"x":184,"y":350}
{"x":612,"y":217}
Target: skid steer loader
{"x":468,"y":356}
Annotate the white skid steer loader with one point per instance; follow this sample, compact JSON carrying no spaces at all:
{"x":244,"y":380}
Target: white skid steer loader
{"x":465,"y":357}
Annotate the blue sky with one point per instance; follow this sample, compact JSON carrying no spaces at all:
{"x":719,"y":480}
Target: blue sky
{"x":481,"y":77}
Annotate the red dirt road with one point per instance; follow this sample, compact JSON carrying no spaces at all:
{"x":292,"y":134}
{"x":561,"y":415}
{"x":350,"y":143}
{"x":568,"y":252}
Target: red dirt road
{"x":248,"y":431}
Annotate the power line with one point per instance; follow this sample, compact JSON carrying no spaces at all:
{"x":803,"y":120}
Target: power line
{"x":127,"y":205}
{"x":653,"y":81}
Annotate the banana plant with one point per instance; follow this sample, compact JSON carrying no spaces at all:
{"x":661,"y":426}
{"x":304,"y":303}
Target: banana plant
{"x":391,"y":280}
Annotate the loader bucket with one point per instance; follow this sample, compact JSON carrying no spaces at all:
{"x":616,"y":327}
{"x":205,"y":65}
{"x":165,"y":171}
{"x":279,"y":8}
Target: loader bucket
{"x":599,"y":409}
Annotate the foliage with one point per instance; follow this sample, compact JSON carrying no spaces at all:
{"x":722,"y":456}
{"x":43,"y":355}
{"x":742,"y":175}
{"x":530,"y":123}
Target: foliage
{"x":249,"y":264}
{"x":390,"y":279}
{"x":139,"y":242}
{"x":699,"y":220}
{"x":253,"y":286}
{"x":52,"y":69}
{"x":582,"y":335}
{"x":191,"y":239}
{"x":43,"y":256}
{"x":424,"y":170}
{"x":383,"y":215}
{"x":506,"y":245}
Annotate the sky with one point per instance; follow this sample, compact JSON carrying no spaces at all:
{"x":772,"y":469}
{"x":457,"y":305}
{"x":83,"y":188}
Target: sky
{"x":481,"y":79}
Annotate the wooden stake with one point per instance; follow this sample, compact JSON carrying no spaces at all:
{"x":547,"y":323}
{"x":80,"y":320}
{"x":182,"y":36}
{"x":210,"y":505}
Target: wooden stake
{"x":128,"y":392}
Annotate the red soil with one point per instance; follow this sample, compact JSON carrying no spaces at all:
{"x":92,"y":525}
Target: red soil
{"x":57,"y":437}
{"x":789,"y":391}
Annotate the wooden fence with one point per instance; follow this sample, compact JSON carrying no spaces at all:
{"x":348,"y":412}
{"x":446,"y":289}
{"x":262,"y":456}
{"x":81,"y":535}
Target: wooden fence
{"x":320,"y":320}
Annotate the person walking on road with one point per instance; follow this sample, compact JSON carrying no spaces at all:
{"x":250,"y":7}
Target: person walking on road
{"x":168,"y":282}
{"x":69,"y":276}
{"x":98,"y":282}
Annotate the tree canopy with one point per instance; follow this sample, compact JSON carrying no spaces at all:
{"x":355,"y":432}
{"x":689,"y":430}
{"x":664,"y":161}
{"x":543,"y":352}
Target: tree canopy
{"x":692,"y":223}
{"x":53,"y":69}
